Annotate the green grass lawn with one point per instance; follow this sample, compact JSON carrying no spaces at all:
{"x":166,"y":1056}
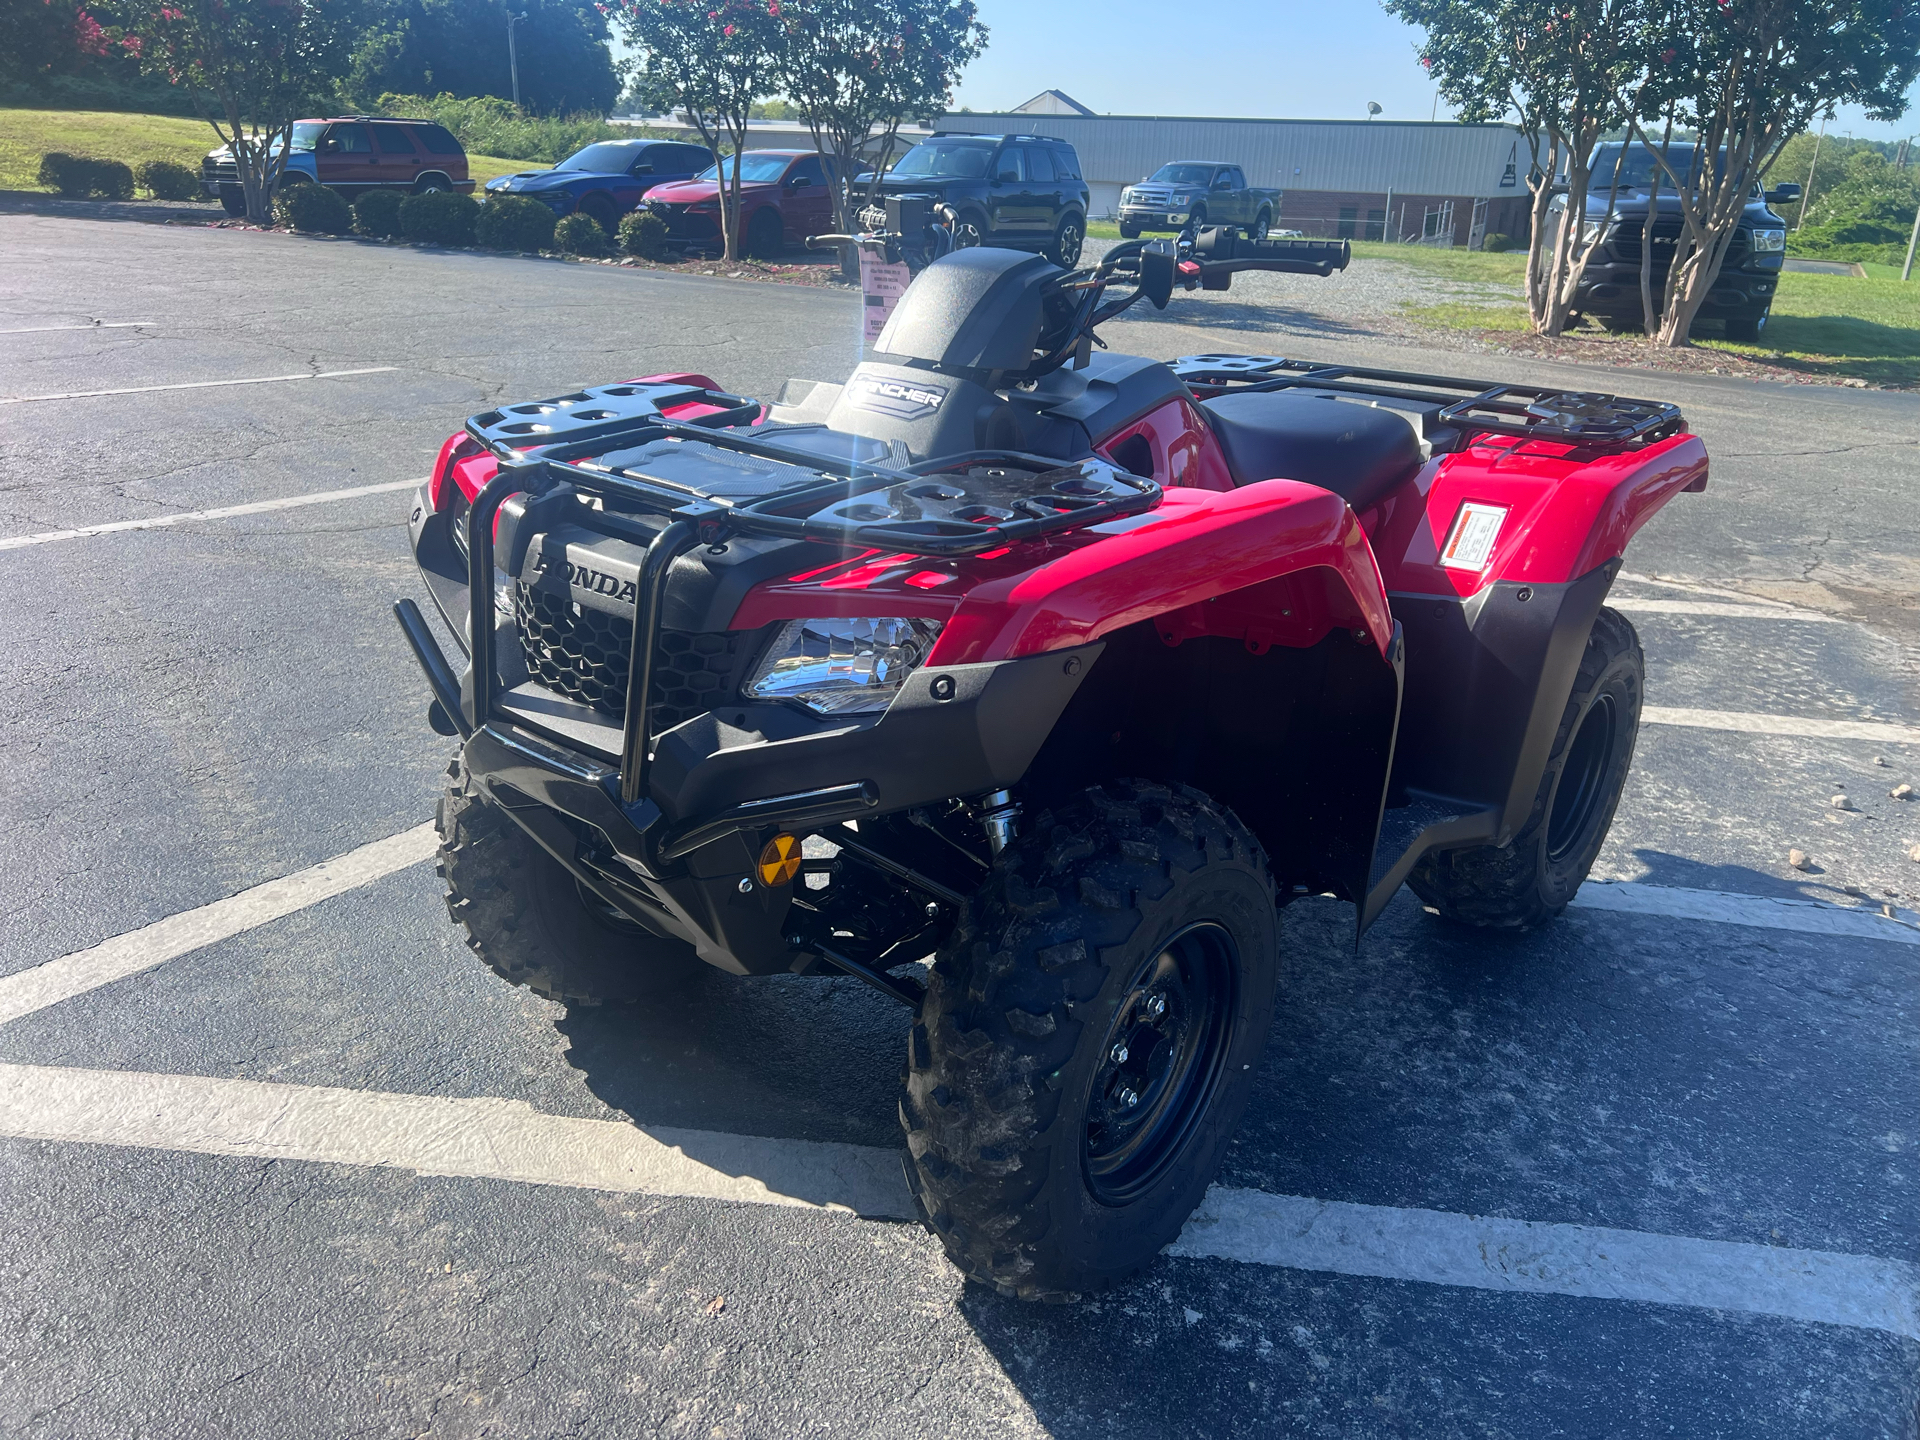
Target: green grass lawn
{"x":26,"y":135}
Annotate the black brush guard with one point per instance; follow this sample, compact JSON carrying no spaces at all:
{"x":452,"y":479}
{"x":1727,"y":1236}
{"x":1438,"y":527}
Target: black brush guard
{"x":595,"y":421}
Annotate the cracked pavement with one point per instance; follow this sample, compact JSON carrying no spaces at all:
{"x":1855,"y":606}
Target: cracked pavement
{"x":193,"y":710}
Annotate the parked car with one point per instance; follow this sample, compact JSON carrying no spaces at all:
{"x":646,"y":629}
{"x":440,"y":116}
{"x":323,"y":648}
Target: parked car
{"x":1017,"y":192}
{"x":784,"y":198}
{"x":354,"y":154}
{"x":608,"y":178}
{"x":1189,"y":194}
{"x":1741,"y":298}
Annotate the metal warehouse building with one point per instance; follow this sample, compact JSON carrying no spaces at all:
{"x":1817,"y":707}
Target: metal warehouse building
{"x":1404,"y":180}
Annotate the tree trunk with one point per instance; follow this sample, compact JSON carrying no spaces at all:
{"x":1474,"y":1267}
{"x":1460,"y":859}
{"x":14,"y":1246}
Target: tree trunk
{"x":1537,"y":261}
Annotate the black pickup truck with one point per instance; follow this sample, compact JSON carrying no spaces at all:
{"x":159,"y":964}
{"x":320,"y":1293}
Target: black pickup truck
{"x":1190,"y":194}
{"x":1742,"y":295}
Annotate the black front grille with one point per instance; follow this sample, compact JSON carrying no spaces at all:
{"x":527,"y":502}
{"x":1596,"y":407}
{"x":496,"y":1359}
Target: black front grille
{"x":583,"y":653}
{"x":1625,"y":242}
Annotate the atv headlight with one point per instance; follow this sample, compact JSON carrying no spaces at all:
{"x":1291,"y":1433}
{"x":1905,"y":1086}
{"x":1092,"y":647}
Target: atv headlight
{"x":1765,"y":241}
{"x":842,"y":667}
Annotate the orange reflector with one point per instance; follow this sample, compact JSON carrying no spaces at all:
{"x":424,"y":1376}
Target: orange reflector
{"x":780,"y":861}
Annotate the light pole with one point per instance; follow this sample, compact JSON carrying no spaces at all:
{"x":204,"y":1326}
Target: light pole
{"x":513,"y":57}
{"x":1906,"y":271}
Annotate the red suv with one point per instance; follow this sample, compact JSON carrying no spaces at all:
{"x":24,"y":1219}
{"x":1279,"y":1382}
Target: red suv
{"x":354,"y":154}
{"x":783,"y":199}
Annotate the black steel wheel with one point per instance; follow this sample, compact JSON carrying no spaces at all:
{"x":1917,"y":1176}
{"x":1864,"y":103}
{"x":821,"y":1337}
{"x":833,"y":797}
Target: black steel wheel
{"x":533,"y":923}
{"x":1749,"y":325}
{"x":1088,"y":1039}
{"x":1532,"y":878}
{"x":766,"y":237}
{"x":1067,"y":240}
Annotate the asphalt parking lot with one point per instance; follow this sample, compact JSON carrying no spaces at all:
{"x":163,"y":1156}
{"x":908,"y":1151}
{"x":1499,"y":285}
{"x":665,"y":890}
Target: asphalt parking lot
{"x":280,"y":1158}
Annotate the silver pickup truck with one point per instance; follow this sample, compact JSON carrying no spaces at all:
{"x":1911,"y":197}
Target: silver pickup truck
{"x":1187,"y":194}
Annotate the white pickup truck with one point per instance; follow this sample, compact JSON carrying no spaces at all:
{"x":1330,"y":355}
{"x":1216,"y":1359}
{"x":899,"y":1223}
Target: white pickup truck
{"x":1187,"y":194}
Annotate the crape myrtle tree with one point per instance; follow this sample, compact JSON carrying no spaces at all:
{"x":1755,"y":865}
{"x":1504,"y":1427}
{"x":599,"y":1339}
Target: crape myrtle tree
{"x":252,"y":67}
{"x":710,"y":60}
{"x":856,"y":70}
{"x":1747,"y":76}
{"x":1566,"y":69}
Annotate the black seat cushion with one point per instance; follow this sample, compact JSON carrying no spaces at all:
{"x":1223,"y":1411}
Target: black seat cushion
{"x":1357,"y":451}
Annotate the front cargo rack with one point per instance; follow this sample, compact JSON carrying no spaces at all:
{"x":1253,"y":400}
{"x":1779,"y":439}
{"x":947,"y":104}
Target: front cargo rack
{"x":706,"y":477}
{"x":1485,"y":407}
{"x":756,"y":484}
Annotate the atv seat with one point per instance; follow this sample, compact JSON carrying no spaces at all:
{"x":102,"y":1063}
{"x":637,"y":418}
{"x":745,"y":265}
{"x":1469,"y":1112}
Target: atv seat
{"x":1359,"y":452}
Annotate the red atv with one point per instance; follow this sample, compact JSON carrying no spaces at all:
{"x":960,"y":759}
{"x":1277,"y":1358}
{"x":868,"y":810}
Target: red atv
{"x":1064,"y":667}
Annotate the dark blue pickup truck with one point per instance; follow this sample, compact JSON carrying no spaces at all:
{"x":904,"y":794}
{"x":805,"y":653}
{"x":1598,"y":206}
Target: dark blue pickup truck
{"x":1742,"y":296}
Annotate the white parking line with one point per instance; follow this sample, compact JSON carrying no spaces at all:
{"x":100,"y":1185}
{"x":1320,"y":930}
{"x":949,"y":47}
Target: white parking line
{"x":225,"y":512}
{"x":1648,"y":605}
{"x":97,"y":325}
{"x":151,"y":945}
{"x":197,"y":385}
{"x":1781,"y":725}
{"x":508,"y":1140}
{"x":1486,"y":1253}
{"x":1766,"y":912}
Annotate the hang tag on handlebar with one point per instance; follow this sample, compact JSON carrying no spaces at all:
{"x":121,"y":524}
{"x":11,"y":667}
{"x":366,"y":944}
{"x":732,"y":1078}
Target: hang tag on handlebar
{"x":882,"y":283}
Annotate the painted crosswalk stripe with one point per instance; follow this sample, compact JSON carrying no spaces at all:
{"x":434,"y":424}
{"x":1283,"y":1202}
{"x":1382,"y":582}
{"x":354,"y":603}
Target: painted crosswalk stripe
{"x":1767,"y":912}
{"x":1486,"y":1253}
{"x":198,"y":385}
{"x":1638,"y":605}
{"x":164,"y":940}
{"x":225,"y":512}
{"x":97,"y":325}
{"x":1796,"y":725}
{"x":495,"y":1139}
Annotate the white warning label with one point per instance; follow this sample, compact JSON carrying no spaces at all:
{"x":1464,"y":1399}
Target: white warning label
{"x":1474,"y":533}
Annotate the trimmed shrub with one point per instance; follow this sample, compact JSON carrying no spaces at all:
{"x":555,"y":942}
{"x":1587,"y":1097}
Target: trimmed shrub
{"x":69,"y":174}
{"x":1497,"y":242}
{"x":313,"y":208}
{"x":377,"y":214}
{"x":77,"y":175}
{"x":438,"y":218}
{"x":579,"y":234}
{"x":164,"y":180}
{"x":644,"y":233}
{"x":513,"y":222}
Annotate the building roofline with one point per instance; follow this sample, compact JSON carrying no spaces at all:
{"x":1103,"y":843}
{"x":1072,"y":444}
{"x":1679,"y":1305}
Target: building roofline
{"x":1240,"y":120}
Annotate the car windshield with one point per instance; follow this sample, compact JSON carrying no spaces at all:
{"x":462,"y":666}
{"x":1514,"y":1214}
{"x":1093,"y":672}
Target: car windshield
{"x":755,"y":166}
{"x":965,"y":160}
{"x":306,"y":134}
{"x":1182,"y":175}
{"x":1637,"y":170}
{"x":609,"y":157}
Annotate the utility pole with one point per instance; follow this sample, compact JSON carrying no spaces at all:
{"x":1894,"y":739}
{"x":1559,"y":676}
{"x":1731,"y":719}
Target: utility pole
{"x":513,"y":57}
{"x":1806,"y":196}
{"x":1906,"y":272}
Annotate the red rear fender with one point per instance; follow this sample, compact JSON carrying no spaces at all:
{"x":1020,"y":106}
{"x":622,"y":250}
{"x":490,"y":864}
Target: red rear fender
{"x":1565,"y":515}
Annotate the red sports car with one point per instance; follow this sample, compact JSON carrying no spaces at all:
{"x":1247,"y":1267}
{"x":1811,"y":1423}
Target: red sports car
{"x":784,"y":198}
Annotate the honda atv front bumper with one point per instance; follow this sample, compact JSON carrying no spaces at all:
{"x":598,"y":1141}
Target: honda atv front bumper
{"x":667,"y":826}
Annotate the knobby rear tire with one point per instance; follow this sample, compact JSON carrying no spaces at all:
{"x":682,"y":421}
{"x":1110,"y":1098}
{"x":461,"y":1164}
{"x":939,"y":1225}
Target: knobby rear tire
{"x":1001,"y":1089}
{"x":1532,"y":878}
{"x":527,"y":919}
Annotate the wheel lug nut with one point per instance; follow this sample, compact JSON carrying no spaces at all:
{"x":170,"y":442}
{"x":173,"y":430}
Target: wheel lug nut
{"x":1128,"y":1098}
{"x":1120,"y":1054}
{"x":1154,"y":1006}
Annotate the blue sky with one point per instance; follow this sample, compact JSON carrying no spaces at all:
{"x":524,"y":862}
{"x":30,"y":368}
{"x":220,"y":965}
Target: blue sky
{"x":1280,"y":58}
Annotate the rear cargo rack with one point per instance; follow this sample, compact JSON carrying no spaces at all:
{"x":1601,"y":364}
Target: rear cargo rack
{"x":1485,"y":407}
